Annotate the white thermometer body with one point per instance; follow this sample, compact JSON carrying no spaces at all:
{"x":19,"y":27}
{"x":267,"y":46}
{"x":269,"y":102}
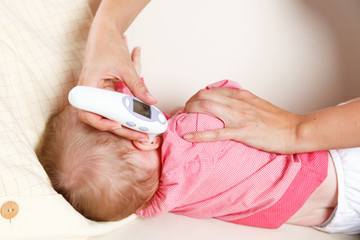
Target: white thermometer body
{"x":127,"y":110}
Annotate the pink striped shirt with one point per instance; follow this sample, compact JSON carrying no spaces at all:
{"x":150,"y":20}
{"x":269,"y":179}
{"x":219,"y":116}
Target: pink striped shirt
{"x":228,"y":180}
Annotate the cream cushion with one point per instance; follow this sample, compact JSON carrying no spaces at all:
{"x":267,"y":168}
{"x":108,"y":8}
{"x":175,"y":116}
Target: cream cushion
{"x":41,"y":49}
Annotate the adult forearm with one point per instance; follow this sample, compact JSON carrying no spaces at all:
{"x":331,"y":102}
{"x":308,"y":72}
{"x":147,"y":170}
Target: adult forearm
{"x":119,"y":14}
{"x":330,"y":128}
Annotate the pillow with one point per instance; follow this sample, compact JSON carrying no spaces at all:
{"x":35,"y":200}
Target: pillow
{"x":41,"y":49}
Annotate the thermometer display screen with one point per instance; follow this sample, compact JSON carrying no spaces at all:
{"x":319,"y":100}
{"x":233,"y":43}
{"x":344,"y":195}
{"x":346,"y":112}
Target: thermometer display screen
{"x":142,"y":108}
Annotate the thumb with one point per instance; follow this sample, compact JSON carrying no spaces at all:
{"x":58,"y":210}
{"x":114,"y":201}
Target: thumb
{"x":211,"y":136}
{"x":138,"y":88}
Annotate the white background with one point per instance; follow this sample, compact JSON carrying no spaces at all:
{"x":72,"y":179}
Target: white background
{"x":299,"y":55}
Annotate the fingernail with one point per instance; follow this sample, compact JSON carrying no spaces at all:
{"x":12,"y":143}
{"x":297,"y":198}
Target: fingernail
{"x":116,"y":128}
{"x":150,"y":96}
{"x":143,"y":140}
{"x":138,"y":49}
{"x":188,"y":136}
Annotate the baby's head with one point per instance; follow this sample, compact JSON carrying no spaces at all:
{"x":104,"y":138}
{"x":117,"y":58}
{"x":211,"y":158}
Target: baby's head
{"x":103,"y":176}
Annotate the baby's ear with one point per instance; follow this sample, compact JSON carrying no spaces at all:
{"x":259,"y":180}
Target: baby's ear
{"x":147,"y":146}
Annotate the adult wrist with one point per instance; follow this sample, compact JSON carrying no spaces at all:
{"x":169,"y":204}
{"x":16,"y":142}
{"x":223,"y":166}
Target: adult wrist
{"x":107,"y":18}
{"x":303,"y":140}
{"x":119,"y":14}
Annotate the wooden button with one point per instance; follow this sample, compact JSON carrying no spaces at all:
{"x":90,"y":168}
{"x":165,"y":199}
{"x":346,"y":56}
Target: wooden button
{"x":9,"y":210}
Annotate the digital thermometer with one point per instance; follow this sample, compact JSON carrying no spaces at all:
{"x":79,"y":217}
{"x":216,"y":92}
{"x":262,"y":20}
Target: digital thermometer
{"x":127,"y":110}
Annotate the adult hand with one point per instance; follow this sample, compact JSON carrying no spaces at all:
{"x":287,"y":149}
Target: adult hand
{"x":247,"y":118}
{"x":107,"y":60}
{"x":100,"y":71}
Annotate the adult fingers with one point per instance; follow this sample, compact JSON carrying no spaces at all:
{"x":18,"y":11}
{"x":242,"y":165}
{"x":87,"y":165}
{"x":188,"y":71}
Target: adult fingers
{"x":136,"y":58}
{"x":224,"y":96}
{"x":233,"y":93}
{"x":207,"y":106}
{"x":136,"y":86}
{"x":212,"y":136}
{"x":97,"y":121}
{"x":209,"y":94}
{"x":216,"y":103}
{"x":130,"y":134}
{"x":104,"y":124}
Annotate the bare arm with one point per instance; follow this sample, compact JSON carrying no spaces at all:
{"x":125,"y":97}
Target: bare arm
{"x":119,"y":14}
{"x":258,"y":123}
{"x":330,"y":128}
{"x":107,"y":60}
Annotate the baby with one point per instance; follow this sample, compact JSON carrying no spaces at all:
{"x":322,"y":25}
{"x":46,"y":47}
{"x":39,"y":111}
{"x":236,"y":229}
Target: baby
{"x":107,"y":178}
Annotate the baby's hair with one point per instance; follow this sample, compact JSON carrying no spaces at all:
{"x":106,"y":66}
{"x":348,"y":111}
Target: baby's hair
{"x":93,"y":170}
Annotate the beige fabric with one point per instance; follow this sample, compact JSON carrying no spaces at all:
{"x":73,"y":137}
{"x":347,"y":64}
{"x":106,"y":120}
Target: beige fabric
{"x":41,"y":49}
